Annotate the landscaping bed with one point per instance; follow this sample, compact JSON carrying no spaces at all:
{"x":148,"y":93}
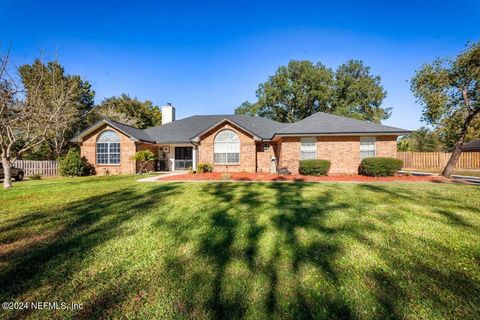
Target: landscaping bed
{"x":245,"y":176}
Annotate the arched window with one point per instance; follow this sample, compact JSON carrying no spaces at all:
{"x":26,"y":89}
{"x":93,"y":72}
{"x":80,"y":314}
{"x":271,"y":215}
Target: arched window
{"x":226,"y":148}
{"x":108,"y":148}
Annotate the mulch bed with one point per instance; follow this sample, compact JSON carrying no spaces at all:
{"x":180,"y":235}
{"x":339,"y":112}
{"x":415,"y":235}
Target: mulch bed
{"x":244,"y":176}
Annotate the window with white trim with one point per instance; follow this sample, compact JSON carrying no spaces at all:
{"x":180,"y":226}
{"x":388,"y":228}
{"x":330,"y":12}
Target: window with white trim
{"x":226,"y":148}
{"x":367,"y":147}
{"x":108,"y":148}
{"x":308,"y":148}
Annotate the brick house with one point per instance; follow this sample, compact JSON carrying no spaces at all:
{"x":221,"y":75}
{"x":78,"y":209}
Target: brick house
{"x":237,"y":143}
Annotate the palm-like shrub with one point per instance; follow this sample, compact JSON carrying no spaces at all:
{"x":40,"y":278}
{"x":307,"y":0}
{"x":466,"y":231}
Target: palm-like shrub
{"x":204,"y":167}
{"x":144,"y":157}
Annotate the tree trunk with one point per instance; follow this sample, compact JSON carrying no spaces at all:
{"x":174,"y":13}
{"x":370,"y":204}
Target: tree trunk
{"x":7,"y":173}
{"x":457,"y":149}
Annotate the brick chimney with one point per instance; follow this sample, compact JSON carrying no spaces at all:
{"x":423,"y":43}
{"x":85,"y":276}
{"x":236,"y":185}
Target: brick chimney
{"x":168,"y":113}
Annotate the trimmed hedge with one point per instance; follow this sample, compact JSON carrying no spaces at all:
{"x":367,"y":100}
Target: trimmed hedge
{"x":314,"y":167}
{"x":380,"y":167}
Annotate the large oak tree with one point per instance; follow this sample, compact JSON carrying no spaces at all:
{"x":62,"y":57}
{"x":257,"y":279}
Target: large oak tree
{"x":302,"y":88}
{"x":27,"y":114}
{"x":131,"y":111}
{"x":449,"y":92}
{"x":75,"y":106}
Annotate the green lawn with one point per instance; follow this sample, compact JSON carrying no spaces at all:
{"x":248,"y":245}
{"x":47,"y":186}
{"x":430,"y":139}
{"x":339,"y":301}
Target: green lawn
{"x":241,"y":250}
{"x":461,"y":172}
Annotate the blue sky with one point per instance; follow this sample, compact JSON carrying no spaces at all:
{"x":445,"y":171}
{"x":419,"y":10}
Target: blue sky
{"x":207,"y":57}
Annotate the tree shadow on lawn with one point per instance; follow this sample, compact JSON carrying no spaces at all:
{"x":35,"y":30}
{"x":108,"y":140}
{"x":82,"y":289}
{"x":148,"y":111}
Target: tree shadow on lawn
{"x":430,"y":278}
{"x":79,"y":228}
{"x":235,"y":215}
{"x":237,"y":221}
{"x":444,"y":206}
{"x":243,"y":252}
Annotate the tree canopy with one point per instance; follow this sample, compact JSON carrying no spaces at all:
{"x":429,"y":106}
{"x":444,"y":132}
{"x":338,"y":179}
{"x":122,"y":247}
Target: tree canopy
{"x":73,"y":97}
{"x":449,"y":129}
{"x":421,"y":140}
{"x":358,"y":94}
{"x":247,"y":108}
{"x":302,"y":88}
{"x":449,"y":93}
{"x":131,"y":111}
{"x":33,"y":106}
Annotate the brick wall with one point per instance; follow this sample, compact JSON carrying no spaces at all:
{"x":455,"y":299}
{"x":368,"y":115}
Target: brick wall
{"x":387,"y":146}
{"x":342,"y":151}
{"x":247,"y":150}
{"x":264,"y":158}
{"x":289,"y":153}
{"x":127,"y":150}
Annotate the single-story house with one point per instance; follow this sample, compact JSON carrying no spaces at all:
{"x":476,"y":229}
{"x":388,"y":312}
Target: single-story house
{"x":238,"y":143}
{"x":472,"y":146}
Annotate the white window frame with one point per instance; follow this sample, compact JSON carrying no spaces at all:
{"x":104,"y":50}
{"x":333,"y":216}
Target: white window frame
{"x":266,"y":147}
{"x":226,"y":145}
{"x":308,"y":146}
{"x":368,"y":147}
{"x":109,"y":146}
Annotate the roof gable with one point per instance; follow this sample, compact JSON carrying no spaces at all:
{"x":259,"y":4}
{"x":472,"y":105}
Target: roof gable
{"x":132,"y":132}
{"x":184,"y":130}
{"x":226,"y":120}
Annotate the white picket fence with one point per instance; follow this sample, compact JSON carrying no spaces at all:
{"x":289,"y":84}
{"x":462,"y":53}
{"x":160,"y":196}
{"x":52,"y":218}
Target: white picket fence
{"x":46,"y":168}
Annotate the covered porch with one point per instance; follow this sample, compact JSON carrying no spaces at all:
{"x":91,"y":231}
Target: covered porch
{"x":177,"y":157}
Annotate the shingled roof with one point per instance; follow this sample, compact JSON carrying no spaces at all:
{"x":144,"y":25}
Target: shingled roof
{"x":132,"y":132}
{"x":326,"y":123}
{"x":471,"y":146}
{"x":184,"y":130}
{"x":188,"y":129}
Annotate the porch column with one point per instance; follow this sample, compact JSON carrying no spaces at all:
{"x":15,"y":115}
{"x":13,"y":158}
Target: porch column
{"x":171,"y":156}
{"x":194,"y":157}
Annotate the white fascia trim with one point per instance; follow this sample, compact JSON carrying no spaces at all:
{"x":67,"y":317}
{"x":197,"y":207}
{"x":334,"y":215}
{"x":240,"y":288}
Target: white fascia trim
{"x":98,"y":125}
{"x":197,"y":138}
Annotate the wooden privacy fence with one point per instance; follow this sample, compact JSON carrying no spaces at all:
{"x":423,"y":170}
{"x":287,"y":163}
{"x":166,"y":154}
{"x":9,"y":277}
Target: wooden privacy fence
{"x":468,"y":160}
{"x":43,"y":167}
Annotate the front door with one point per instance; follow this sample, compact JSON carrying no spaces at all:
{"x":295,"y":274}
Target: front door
{"x":183,"y":158}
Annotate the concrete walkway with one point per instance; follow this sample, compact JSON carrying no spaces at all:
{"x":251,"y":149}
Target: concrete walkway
{"x":469,"y":179}
{"x":155,"y":178}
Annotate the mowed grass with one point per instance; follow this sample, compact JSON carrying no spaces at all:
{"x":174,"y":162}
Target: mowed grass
{"x":460,"y":172}
{"x":125,"y":249}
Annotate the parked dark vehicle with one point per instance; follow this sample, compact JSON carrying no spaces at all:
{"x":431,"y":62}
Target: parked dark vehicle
{"x":18,"y":174}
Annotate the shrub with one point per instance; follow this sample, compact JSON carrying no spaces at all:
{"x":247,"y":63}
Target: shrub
{"x":380,"y":167}
{"x":204,"y":167}
{"x":144,"y":157}
{"x":314,"y":167}
{"x":35,"y":176}
{"x":74,"y":165}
